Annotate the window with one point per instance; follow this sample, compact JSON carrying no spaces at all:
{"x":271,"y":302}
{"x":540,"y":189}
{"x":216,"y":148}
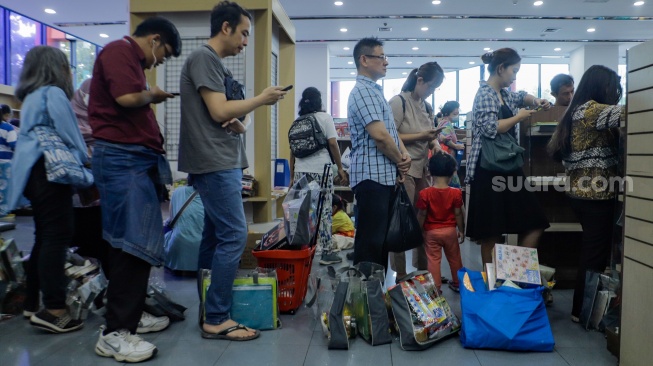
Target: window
{"x":57,"y":39}
{"x":3,"y":47}
{"x":548,"y":71}
{"x":392,"y":87}
{"x":85,"y":57}
{"x":528,"y":79}
{"x":340,"y":93}
{"x":468,"y":84}
{"x":623,"y":72}
{"x":24,"y":34}
{"x":446,"y":91}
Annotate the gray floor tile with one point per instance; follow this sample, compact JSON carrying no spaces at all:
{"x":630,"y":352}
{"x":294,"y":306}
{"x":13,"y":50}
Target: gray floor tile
{"x":359,"y":353}
{"x":197,"y":352}
{"x":260,"y":354}
{"x":505,"y":358}
{"x":446,"y":353}
{"x":587,"y":356}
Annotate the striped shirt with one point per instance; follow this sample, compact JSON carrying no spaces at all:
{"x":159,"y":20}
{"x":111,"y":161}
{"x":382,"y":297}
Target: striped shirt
{"x":366,"y":105}
{"x":485,"y":114}
{"x":8,"y":139}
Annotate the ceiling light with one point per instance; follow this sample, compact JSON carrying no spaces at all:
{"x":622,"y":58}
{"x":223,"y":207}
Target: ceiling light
{"x":409,"y":62}
{"x":50,"y":11}
{"x":591,"y":30}
{"x":352,"y":73}
{"x":104,"y":35}
{"x":343,"y":30}
{"x":557,"y":49}
{"x":404,"y":73}
{"x":346,"y":48}
{"x":436,"y":2}
{"x":486,"y":49}
{"x":415,"y":48}
{"x":338,"y":3}
{"x":508,"y":29}
{"x":638,"y":3}
{"x":350,"y":62}
{"x":538,"y":3}
{"x":471,"y":62}
{"x":424,"y":29}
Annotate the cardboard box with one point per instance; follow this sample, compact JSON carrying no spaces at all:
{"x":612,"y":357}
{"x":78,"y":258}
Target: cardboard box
{"x":255,"y":233}
{"x":517,"y":264}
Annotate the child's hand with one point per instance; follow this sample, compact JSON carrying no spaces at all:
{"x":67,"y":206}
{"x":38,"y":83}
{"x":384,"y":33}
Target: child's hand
{"x":461,"y":237}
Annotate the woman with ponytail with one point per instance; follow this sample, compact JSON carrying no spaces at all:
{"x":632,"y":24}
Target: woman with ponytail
{"x":507,"y":208}
{"x":586,"y":142}
{"x":414,"y":120}
{"x":313,"y":166}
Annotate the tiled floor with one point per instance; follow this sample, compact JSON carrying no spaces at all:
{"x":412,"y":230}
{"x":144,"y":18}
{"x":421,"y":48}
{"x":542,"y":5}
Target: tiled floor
{"x":299,"y":342}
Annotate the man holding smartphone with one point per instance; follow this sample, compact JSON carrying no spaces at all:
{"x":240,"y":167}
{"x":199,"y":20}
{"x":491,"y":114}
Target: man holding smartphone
{"x":211,"y":150}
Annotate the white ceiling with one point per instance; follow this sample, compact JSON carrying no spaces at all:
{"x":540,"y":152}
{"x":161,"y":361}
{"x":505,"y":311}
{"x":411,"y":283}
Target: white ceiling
{"x":458,"y":29}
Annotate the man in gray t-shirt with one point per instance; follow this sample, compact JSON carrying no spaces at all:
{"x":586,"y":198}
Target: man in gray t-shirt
{"x":211,"y":150}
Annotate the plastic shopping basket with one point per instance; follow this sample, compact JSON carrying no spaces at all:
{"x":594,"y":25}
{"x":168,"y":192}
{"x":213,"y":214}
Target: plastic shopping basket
{"x":293,"y":268}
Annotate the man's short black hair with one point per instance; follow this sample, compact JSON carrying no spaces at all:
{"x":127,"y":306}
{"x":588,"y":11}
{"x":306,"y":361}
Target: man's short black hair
{"x":559,"y":81}
{"x":227,"y":11}
{"x":365,"y":47}
{"x":5,"y":109}
{"x":442,"y":164}
{"x":164,"y":28}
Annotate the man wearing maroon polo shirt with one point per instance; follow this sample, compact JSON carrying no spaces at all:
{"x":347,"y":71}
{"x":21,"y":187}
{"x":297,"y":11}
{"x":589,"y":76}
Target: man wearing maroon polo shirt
{"x":130,"y":168}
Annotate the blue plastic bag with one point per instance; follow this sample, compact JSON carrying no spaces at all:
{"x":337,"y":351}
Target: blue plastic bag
{"x":505,"y":318}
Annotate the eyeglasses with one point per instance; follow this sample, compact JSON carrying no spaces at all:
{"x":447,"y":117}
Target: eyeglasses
{"x":382,"y":57}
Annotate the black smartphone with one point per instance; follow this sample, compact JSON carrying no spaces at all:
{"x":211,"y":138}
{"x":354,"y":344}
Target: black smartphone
{"x":287,"y":88}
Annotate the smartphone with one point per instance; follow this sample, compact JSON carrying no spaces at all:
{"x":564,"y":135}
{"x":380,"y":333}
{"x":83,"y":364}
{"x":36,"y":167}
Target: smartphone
{"x":539,"y":108}
{"x":287,"y":88}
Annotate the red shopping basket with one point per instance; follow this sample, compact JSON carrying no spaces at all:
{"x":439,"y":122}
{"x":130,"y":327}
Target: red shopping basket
{"x":293,"y":268}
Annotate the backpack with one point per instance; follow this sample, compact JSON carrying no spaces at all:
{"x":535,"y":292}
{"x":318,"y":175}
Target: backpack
{"x":306,"y":136}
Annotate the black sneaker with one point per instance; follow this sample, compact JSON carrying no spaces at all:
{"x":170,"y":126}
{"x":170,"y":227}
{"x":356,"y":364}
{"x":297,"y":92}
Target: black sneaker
{"x":331,"y":258}
{"x":55,"y":324}
{"x":350,"y":256}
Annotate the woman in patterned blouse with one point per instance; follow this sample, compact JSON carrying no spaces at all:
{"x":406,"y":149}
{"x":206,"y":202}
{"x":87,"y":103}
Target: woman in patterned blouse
{"x":586,"y":142}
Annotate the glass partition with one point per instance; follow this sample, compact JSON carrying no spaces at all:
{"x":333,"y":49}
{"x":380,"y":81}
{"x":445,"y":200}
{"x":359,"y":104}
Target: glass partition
{"x":528,"y":79}
{"x":447,"y":91}
{"x":85,"y":55}
{"x":468,"y":84}
{"x":3,"y":47}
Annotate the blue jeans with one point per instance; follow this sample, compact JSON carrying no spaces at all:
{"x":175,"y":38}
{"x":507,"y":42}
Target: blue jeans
{"x":129,"y":179}
{"x":223,"y":239}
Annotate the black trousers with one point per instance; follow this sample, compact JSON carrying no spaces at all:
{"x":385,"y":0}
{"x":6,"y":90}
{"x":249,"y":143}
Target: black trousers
{"x":373,"y":203}
{"x":53,"y":230}
{"x":597,"y":220}
{"x":128,"y":278}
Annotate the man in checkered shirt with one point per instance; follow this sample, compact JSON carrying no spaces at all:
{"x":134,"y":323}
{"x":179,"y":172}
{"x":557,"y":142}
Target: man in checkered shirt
{"x":378,"y":156}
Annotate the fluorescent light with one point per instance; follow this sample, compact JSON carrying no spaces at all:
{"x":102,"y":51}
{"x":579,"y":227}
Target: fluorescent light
{"x":436,"y":2}
{"x":346,"y":48}
{"x":424,"y":29}
{"x":415,"y":48}
{"x":471,"y":62}
{"x":638,"y":3}
{"x":104,"y":35}
{"x":538,"y":3}
{"x":486,"y":49}
{"x":409,"y":62}
{"x":350,"y":62}
{"x":352,"y":73}
{"x":50,"y":11}
{"x":343,"y":30}
{"x":508,"y":29}
{"x":557,"y":49}
{"x":591,"y":30}
{"x":338,"y":3}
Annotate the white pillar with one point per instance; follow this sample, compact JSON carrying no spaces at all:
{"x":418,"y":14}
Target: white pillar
{"x":586,"y":56}
{"x":312,"y":69}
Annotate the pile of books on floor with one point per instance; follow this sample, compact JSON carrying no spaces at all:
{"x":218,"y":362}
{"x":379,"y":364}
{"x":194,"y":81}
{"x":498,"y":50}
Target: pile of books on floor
{"x":12,"y":279}
{"x":513,"y":266}
{"x":86,"y":283}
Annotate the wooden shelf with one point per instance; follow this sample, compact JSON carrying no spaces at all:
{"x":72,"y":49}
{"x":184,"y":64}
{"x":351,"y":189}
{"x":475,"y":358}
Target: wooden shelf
{"x":538,"y":133}
{"x":341,"y":189}
{"x":255,"y":199}
{"x":570,"y":227}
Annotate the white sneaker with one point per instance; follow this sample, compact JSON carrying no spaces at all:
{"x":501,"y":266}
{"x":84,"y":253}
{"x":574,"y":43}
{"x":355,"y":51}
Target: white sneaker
{"x":150,"y":323}
{"x":124,"y":346}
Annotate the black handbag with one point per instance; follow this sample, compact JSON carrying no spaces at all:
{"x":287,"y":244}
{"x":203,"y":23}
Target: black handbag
{"x":501,"y":153}
{"x":404,"y":232}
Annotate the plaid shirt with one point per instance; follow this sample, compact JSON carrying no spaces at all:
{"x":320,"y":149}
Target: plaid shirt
{"x":367,"y":104}
{"x":485,"y":114}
